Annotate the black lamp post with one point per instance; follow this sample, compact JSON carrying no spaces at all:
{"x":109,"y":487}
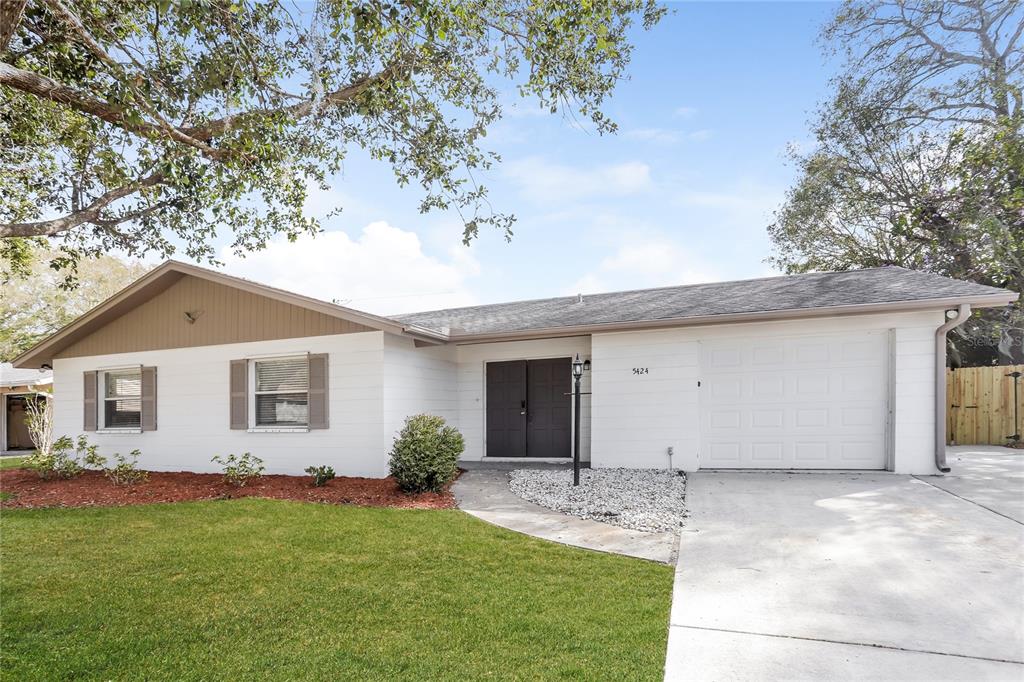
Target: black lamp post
{"x":577,"y":374}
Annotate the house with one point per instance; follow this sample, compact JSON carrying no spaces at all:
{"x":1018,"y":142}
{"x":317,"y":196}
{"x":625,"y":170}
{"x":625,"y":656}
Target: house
{"x":815,"y":371}
{"x":17,"y":387}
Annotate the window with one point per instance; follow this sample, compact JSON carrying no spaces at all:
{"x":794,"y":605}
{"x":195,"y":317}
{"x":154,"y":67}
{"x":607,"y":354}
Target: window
{"x":281,"y":393}
{"x":122,"y":399}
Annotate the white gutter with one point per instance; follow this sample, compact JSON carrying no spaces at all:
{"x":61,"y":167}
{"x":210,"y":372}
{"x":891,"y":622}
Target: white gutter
{"x":962,"y":313}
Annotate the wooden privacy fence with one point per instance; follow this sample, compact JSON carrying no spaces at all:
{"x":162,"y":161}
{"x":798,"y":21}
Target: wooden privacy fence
{"x":979,"y":402}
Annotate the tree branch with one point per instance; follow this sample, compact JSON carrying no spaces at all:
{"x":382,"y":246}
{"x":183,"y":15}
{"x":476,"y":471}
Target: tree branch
{"x":88,"y":214}
{"x":47,"y":88}
{"x":303,"y":109}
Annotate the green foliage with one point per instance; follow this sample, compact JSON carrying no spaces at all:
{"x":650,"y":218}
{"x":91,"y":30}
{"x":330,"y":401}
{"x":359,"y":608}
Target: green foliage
{"x":191,"y":119}
{"x":425,"y":454}
{"x":238,"y":471}
{"x":93,"y":459}
{"x":919,"y":157}
{"x":125,"y":471}
{"x":40,"y":294}
{"x":63,"y":460}
{"x":320,"y":474}
{"x":5,"y":496}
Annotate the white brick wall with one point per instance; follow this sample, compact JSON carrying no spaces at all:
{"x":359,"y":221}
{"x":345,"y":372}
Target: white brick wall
{"x":192,"y":408}
{"x":417,"y":380}
{"x":377,"y":379}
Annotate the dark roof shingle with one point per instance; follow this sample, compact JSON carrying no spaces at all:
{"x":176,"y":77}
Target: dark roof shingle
{"x":793,"y":292}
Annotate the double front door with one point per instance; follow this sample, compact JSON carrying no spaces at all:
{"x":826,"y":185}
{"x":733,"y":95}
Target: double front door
{"x":529,"y":409}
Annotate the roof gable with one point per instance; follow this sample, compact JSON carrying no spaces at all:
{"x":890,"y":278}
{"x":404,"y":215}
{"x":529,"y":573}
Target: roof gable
{"x":150,"y":314}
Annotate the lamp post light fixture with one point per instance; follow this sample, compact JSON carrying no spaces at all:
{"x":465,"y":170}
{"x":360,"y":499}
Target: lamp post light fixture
{"x":577,"y":374}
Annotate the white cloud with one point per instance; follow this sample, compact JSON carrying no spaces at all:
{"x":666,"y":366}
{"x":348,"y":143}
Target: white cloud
{"x":542,"y":181}
{"x":698,"y":135}
{"x":685,"y":112}
{"x":650,"y":263}
{"x":383,"y":271}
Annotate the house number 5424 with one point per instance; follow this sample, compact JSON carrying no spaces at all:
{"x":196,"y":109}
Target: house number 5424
{"x":640,"y":370}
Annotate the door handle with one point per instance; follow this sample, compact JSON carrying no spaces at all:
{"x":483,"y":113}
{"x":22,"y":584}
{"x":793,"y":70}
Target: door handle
{"x":522,"y":406}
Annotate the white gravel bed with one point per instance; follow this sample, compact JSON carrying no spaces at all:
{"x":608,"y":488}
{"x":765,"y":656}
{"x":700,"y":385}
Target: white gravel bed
{"x":642,"y":499}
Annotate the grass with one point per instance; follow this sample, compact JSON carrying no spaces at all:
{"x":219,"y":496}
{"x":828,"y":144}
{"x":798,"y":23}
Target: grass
{"x":267,"y":589}
{"x":12,"y":462}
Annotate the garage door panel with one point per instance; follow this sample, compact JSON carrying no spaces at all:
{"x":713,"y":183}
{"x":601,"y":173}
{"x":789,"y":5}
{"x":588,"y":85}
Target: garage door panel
{"x":768,"y":453}
{"x":807,"y":402}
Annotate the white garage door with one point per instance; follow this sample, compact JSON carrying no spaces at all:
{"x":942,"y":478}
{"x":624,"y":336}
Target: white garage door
{"x":807,"y":402}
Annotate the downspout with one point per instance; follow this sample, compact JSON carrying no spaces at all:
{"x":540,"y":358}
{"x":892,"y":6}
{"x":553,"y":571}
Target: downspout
{"x":962,"y":313}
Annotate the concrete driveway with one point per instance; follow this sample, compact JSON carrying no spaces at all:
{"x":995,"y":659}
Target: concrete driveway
{"x":853,"y":576}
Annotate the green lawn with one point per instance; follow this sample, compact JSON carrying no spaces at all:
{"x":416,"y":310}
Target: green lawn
{"x":11,"y":462}
{"x":266,"y":589}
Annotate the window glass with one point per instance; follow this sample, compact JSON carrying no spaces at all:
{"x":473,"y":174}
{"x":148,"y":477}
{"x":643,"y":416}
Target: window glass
{"x":122,"y":399}
{"x":282,"y":392}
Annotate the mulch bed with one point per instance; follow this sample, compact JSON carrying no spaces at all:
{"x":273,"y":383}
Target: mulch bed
{"x":92,"y":489}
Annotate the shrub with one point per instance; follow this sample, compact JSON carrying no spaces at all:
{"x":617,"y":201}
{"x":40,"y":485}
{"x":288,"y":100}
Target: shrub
{"x":39,"y":421}
{"x":62,"y":459}
{"x":320,"y":474}
{"x":125,"y":472}
{"x":240,"y":470}
{"x":92,"y":459}
{"x":425,"y":454}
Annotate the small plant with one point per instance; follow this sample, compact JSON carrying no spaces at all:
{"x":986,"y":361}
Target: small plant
{"x":126,"y":472}
{"x":91,"y":458}
{"x":39,"y":421}
{"x":425,"y":454}
{"x":240,"y":470}
{"x":61,"y":461}
{"x":320,"y":474}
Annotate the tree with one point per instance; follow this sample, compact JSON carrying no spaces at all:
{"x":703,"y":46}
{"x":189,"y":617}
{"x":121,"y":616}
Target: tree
{"x":135,"y":125}
{"x":919,"y":159}
{"x":42,"y":301}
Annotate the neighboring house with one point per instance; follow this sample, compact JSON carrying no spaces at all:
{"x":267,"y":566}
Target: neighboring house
{"x":816,"y":371}
{"x":17,"y":386}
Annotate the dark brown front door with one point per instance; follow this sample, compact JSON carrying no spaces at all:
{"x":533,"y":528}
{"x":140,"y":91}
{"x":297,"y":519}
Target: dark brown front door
{"x":549,"y":410}
{"x":506,"y":409}
{"x":529,"y":411}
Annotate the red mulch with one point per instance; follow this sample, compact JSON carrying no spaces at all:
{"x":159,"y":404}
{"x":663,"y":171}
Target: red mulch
{"x":92,"y":489}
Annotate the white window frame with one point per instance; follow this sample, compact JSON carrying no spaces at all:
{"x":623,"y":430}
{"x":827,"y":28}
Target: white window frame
{"x":251,"y":397}
{"x":101,"y":400}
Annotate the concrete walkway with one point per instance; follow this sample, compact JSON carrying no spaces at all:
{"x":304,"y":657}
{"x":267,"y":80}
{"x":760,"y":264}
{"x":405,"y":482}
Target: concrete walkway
{"x":853,"y":576}
{"x":484,"y":493}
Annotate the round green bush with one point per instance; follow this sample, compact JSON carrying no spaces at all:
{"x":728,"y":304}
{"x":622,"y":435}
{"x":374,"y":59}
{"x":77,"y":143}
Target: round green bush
{"x":425,"y":453}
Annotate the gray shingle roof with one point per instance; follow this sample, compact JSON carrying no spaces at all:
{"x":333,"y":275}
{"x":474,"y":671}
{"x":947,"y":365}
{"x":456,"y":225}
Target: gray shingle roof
{"x":793,"y":292}
{"x":9,"y":376}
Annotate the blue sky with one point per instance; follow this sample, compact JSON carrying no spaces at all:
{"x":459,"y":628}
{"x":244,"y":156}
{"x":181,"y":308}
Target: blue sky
{"x":681,"y":194}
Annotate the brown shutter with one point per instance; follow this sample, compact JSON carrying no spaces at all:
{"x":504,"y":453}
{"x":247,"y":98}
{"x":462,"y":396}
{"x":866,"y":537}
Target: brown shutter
{"x":239,"y":394}
{"x":318,"y":412}
{"x":89,"y":402}
{"x":149,"y":398}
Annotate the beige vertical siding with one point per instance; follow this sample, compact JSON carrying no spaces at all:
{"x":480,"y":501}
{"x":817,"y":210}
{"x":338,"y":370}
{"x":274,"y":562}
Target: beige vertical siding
{"x":225,"y":315}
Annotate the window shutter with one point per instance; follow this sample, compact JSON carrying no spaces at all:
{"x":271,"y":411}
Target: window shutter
{"x":239,"y":394}
{"x":148,"y":399}
{"x":89,"y":402}
{"x":318,"y":412}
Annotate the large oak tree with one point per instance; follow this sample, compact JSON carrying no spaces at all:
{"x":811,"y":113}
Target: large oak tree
{"x":919,"y":155}
{"x":135,"y":124}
